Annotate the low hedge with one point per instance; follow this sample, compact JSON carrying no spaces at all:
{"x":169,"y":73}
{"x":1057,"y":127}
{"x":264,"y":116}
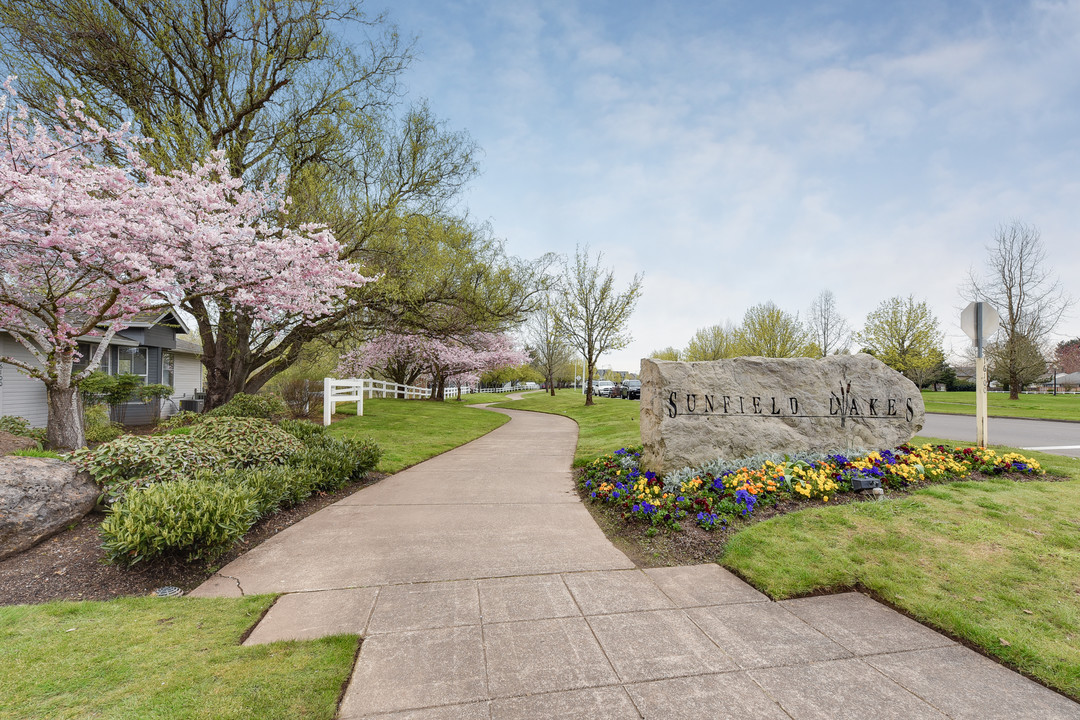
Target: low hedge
{"x":198,"y":519}
{"x":193,"y":495}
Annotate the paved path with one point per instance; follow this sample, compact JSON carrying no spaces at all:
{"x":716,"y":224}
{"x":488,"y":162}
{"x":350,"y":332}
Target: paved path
{"x":1059,"y":438}
{"x":484,"y":591}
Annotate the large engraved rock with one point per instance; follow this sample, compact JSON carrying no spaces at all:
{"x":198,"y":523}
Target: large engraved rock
{"x":692,"y":413}
{"x":40,"y":497}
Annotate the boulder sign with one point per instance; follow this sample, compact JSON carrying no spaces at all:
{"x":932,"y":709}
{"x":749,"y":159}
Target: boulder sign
{"x":694,"y":412}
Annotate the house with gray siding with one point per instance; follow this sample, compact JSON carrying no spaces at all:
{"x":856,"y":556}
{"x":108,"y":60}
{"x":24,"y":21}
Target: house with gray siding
{"x":152,"y":346}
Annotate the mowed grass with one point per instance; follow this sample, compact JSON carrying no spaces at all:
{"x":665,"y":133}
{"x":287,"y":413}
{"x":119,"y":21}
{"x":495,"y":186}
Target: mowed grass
{"x":994,"y":562}
{"x":411,"y":431}
{"x":173,"y":659}
{"x":1047,"y":407}
{"x":606,"y":426}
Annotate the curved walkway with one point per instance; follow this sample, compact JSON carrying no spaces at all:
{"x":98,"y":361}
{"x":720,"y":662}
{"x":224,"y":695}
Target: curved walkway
{"x":484,"y":590}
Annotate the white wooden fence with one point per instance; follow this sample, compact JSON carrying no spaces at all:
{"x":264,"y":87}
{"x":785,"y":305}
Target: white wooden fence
{"x":355,"y":389}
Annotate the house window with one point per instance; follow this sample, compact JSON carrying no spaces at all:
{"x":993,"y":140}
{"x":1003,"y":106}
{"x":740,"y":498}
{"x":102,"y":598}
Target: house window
{"x":131,"y":360}
{"x":87,"y":351}
{"x":167,"y":368}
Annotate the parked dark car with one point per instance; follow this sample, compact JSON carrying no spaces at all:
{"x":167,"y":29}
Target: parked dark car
{"x":628,"y":390}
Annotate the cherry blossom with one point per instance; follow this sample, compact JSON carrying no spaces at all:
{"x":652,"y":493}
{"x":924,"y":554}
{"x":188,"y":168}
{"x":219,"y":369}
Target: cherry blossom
{"x":90,"y":236}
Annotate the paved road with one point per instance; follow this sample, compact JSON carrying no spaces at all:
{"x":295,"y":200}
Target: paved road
{"x":1059,"y":438}
{"x":483,"y":590}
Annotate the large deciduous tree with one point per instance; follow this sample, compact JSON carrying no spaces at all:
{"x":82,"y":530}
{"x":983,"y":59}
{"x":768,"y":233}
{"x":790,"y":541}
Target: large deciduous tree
{"x":1021,"y":362}
{"x":86,"y":245}
{"x":591,"y":313}
{"x":716,"y":342}
{"x":444,"y":277}
{"x":668,"y":353}
{"x":768,"y":331}
{"x":1029,"y":299}
{"x":270,"y":84}
{"x":904,"y":335}
{"x":550,"y":351}
{"x":828,"y":329}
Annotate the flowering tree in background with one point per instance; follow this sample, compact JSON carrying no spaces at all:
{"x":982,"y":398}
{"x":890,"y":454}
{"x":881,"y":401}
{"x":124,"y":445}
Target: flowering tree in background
{"x":396,"y":357}
{"x":404,"y":358}
{"x":85,"y":245}
{"x":1067,"y":356}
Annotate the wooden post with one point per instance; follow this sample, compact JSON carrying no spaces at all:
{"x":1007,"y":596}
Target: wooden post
{"x":980,"y":401}
{"x":980,"y":377}
{"x":327,"y":403}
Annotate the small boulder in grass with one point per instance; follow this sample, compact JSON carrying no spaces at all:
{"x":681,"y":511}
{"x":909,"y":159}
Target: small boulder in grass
{"x":13,"y":443}
{"x":39,"y":497}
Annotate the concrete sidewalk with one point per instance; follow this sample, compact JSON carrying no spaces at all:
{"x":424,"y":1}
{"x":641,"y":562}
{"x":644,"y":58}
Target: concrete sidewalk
{"x":483,"y":589}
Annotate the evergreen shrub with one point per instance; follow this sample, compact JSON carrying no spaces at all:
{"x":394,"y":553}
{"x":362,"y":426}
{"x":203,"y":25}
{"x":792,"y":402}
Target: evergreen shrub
{"x":267,"y":406}
{"x":196,"y":519}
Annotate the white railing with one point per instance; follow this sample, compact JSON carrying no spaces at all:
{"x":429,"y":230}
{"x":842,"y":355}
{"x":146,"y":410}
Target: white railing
{"x":355,"y":389}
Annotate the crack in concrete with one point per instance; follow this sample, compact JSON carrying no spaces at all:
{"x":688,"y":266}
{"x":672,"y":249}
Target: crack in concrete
{"x":235,"y":580}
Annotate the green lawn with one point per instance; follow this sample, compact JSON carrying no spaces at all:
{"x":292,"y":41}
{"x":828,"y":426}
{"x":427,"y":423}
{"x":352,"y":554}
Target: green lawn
{"x":411,"y":431}
{"x":996,"y":563}
{"x":1048,"y":407}
{"x":608,"y":425}
{"x":173,"y":659}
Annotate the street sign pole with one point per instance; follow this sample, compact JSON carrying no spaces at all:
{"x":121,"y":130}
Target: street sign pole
{"x":979,"y":320}
{"x":980,"y":380}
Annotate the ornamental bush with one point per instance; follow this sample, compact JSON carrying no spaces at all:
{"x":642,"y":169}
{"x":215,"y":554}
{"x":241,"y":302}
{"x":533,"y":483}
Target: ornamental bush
{"x":184,"y":418}
{"x":337,"y":461}
{"x":268,"y":406}
{"x":303,"y":430}
{"x":196,"y":519}
{"x":134,"y":461}
{"x":246,"y":441}
{"x":274,"y":487}
{"x":98,"y":427}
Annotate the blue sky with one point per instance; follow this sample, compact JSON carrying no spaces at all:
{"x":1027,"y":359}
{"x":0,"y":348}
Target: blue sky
{"x":739,"y":152}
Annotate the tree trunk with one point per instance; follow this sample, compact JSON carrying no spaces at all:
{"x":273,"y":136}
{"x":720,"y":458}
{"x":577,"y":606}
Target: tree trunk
{"x":551,"y":385}
{"x":588,"y":384}
{"x":65,"y":430}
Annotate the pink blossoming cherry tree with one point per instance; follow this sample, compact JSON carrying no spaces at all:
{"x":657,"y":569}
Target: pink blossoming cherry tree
{"x":404,"y":358}
{"x":90,"y":236}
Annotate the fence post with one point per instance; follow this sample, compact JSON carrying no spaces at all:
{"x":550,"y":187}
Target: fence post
{"x":327,"y":402}
{"x":360,"y":400}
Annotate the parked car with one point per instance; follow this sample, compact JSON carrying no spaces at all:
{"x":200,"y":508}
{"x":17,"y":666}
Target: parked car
{"x":602,"y":388}
{"x":628,"y":390}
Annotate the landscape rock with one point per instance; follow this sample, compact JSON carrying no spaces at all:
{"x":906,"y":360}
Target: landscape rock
{"x":694,"y":412}
{"x":38,"y":498}
{"x":13,"y":443}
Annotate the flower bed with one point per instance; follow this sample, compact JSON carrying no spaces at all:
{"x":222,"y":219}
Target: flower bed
{"x":714,"y":495}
